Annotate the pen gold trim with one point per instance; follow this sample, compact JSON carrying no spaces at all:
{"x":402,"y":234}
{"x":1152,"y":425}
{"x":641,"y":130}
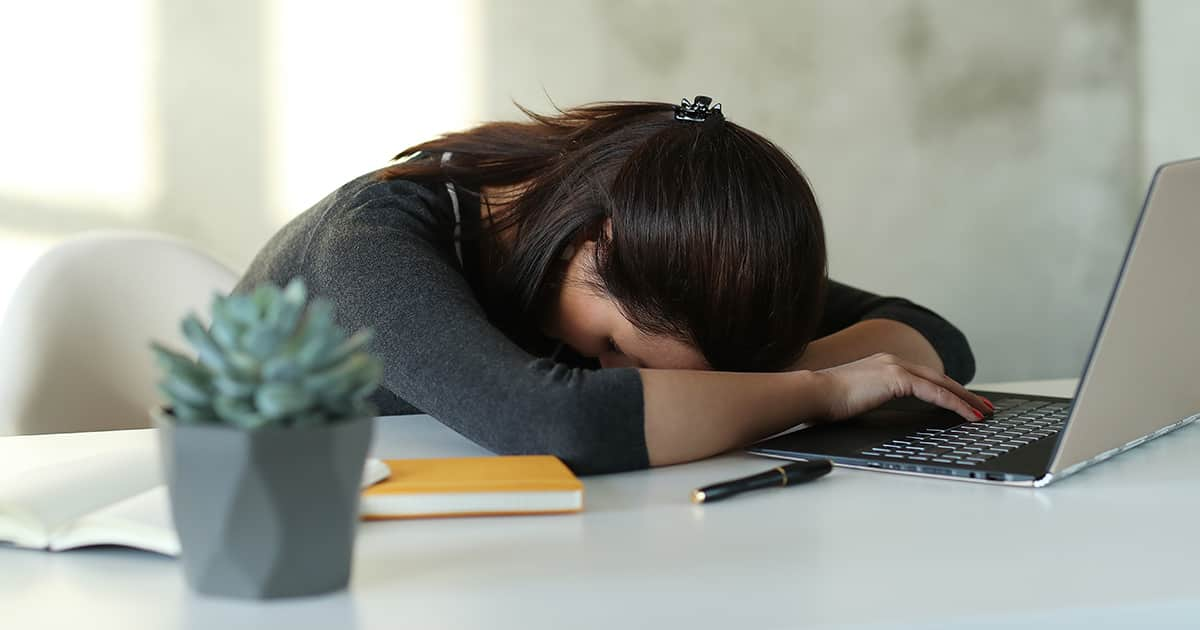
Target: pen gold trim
{"x":777,"y":477}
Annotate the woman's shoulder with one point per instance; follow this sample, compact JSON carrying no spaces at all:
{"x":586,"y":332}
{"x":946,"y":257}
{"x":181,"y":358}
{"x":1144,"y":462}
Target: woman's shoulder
{"x":368,"y":207}
{"x":376,"y":186}
{"x":374,"y":195}
{"x":389,"y":207}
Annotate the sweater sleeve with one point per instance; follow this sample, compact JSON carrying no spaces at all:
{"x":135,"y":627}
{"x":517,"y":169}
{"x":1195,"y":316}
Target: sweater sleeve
{"x":846,"y":305}
{"x":387,"y":269}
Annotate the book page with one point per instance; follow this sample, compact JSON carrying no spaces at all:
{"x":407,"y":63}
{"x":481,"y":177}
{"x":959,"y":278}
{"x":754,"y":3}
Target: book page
{"x":142,"y":521}
{"x":384,"y":506}
{"x":374,"y":471}
{"x":113,"y":498}
{"x":39,"y":501}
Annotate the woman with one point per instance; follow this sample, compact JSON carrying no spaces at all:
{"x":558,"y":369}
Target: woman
{"x":623,"y":284}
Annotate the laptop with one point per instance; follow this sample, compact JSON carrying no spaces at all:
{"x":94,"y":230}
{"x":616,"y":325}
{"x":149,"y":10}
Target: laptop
{"x":1141,"y":379}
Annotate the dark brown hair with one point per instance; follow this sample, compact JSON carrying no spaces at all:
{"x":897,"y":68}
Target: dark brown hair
{"x":716,"y":236}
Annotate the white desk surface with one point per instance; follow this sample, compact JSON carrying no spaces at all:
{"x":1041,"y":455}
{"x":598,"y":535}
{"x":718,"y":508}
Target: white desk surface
{"x":1112,"y":547}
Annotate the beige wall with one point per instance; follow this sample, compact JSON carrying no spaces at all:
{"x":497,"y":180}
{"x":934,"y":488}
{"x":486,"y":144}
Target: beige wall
{"x":986,"y":159}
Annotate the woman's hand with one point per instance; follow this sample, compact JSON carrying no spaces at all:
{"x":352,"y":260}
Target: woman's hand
{"x":858,"y":387}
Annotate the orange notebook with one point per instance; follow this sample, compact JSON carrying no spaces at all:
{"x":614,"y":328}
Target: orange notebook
{"x":473,"y":486}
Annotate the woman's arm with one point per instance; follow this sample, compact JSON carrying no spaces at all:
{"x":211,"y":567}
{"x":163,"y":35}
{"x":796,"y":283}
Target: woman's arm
{"x":866,"y":338}
{"x":693,"y":414}
{"x":872,"y":349}
{"x":858,"y":323}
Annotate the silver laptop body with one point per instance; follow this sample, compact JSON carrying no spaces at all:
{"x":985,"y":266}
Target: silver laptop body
{"x":1142,"y":378}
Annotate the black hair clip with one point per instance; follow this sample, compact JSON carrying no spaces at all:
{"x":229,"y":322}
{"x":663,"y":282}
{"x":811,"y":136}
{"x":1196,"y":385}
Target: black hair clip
{"x":698,"y":111}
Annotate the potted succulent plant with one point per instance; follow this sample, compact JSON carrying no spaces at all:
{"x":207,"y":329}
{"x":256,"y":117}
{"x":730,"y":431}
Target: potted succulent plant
{"x":263,"y":443}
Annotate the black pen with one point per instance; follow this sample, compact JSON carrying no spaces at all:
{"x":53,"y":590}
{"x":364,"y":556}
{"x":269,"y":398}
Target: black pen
{"x":788,"y":475}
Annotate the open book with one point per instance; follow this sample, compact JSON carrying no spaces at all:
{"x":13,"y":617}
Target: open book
{"x":115,"y":498}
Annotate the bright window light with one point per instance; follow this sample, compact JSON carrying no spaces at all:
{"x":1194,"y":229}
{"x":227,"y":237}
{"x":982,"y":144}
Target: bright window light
{"x":355,"y":82}
{"x":77,"y":124}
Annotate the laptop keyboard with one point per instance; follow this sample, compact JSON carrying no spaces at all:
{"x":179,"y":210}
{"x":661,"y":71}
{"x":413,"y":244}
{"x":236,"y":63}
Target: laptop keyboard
{"x":1016,"y":422}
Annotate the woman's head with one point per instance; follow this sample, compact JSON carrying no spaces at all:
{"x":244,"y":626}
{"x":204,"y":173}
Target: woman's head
{"x":690,"y":239}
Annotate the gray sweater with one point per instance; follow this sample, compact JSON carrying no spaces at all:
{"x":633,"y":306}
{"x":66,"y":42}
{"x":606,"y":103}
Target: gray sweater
{"x":385,"y":253}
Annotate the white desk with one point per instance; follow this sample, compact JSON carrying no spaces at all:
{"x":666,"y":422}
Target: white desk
{"x":1112,"y":547}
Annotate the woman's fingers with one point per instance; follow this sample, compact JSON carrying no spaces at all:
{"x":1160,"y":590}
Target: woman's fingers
{"x":872,"y":381}
{"x":975,"y":400}
{"x":936,"y":394}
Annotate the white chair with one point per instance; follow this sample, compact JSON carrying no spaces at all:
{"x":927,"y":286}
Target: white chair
{"x":74,"y":341}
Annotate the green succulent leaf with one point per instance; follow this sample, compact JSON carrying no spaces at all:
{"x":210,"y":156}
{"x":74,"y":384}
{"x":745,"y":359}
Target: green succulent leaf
{"x":289,"y":319}
{"x":277,"y":400}
{"x":239,"y":413}
{"x":318,"y":320}
{"x":242,"y":365}
{"x":196,"y":380}
{"x":282,"y":368}
{"x":210,"y":353}
{"x":296,"y":291}
{"x":370,"y":379}
{"x":264,"y":295}
{"x":189,"y":414}
{"x":284,"y":312}
{"x":356,"y":343}
{"x":172,"y":361}
{"x":314,"y":348}
{"x":342,"y":378}
{"x":261,"y":341}
{"x":273,"y":309}
{"x":225,"y":330}
{"x":181,"y":391}
{"x":233,"y":388}
{"x":241,"y":309}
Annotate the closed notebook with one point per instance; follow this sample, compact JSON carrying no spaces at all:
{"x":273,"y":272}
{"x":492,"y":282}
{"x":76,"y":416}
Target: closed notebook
{"x":473,"y":486}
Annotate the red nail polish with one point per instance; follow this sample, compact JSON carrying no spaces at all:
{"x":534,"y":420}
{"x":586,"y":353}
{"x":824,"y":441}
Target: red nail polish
{"x":989,"y":403}
{"x":978,"y":414}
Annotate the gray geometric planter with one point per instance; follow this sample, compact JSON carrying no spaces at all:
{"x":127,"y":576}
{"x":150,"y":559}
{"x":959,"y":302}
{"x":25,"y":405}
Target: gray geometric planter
{"x":265,"y":513}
